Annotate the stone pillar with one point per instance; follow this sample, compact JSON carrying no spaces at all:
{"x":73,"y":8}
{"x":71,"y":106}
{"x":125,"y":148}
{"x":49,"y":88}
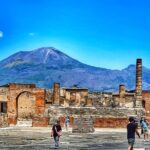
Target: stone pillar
{"x":83,"y":124}
{"x":89,"y":102}
{"x":122,"y":93}
{"x":138,"y":90}
{"x":56,"y":94}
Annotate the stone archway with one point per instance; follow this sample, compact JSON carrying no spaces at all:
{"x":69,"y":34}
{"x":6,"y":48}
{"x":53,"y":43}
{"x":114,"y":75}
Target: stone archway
{"x":25,"y":106}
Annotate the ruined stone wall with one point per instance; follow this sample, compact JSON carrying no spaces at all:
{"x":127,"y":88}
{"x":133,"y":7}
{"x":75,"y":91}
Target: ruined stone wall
{"x":3,"y":120}
{"x":101,"y":116}
{"x":101,"y":99}
{"x":75,"y":97}
{"x":129,"y":101}
{"x":111,"y":122}
{"x":49,"y":96}
{"x":3,"y":94}
{"x":146,"y":100}
{"x":36,"y":101}
{"x":26,"y":105}
{"x":81,"y":97}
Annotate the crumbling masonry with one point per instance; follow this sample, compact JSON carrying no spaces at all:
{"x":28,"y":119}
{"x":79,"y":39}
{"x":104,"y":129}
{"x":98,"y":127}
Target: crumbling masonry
{"x":25,"y":104}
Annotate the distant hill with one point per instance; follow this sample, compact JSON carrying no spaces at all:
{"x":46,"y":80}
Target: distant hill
{"x":47,"y":65}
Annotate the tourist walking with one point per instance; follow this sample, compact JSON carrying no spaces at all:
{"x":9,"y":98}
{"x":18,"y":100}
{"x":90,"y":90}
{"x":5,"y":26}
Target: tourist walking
{"x":132,"y":128}
{"x":67,"y":120}
{"x":141,"y":125}
{"x":56,"y":133}
{"x":145,"y":129}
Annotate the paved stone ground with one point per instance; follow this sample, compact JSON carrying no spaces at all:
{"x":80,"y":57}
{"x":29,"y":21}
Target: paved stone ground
{"x":27,"y":138}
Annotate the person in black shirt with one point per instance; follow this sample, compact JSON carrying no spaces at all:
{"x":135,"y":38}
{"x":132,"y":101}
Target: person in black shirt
{"x":56,"y":133}
{"x":132,"y":128}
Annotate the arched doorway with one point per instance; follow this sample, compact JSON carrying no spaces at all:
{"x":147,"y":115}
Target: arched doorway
{"x":25,"y":106}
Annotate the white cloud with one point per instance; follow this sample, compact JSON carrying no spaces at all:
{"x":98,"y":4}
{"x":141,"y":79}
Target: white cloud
{"x":32,"y":34}
{"x":1,"y":34}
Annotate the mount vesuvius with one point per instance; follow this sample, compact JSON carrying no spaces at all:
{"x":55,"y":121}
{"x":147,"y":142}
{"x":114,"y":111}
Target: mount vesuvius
{"x":47,"y":65}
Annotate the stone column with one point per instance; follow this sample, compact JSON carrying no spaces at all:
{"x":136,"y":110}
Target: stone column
{"x":56,"y":94}
{"x":89,"y":102}
{"x":138,"y":90}
{"x":122,"y":92}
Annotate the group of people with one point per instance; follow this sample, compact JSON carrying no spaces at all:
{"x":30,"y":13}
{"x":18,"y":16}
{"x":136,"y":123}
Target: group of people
{"x":132,"y":128}
{"x":57,"y":130}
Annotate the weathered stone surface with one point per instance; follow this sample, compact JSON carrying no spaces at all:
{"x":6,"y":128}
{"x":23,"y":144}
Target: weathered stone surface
{"x":12,"y":120}
{"x":102,"y":117}
{"x":139,"y":83}
{"x":3,"y":120}
{"x":40,"y":122}
{"x":110,"y":122}
{"x":56,"y":94}
{"x":23,"y":101}
{"x":24,"y":122}
{"x":39,"y":139}
{"x":82,"y":124}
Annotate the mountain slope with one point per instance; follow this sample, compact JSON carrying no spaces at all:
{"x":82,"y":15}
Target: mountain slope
{"x":46,"y":65}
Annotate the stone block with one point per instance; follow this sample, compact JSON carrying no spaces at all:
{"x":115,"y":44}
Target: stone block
{"x":39,"y":110}
{"x":40,"y":102}
{"x":12,"y":121}
{"x":110,"y":122}
{"x":40,"y":122}
{"x":83,"y":125}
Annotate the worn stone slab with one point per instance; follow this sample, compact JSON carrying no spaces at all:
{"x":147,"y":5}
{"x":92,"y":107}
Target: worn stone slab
{"x":25,"y":138}
{"x":24,"y":123}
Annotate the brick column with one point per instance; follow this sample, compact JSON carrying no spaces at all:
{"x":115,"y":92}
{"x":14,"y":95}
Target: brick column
{"x":138,"y":91}
{"x":56,"y":94}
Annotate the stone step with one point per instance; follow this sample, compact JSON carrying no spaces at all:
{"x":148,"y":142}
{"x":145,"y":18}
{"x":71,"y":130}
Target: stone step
{"x":24,"y":123}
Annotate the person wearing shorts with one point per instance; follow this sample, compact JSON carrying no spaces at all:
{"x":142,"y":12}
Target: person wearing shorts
{"x":131,"y":130}
{"x":145,"y":129}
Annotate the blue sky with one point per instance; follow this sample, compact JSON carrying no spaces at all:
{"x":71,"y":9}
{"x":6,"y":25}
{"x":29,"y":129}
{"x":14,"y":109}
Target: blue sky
{"x":102,"y":33}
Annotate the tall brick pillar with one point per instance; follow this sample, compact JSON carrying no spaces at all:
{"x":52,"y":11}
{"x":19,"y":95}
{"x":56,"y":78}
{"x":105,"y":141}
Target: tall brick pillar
{"x":56,"y":94}
{"x":138,"y":91}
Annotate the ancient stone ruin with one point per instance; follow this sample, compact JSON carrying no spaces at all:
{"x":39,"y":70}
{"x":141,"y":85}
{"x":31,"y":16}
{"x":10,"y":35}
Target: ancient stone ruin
{"x":26,"y":104}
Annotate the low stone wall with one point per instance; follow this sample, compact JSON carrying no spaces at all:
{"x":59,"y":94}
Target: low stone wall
{"x":40,"y":122}
{"x":101,"y":122}
{"x":92,"y":111}
{"x":110,"y":122}
{"x":3,"y":120}
{"x":102,"y":117}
